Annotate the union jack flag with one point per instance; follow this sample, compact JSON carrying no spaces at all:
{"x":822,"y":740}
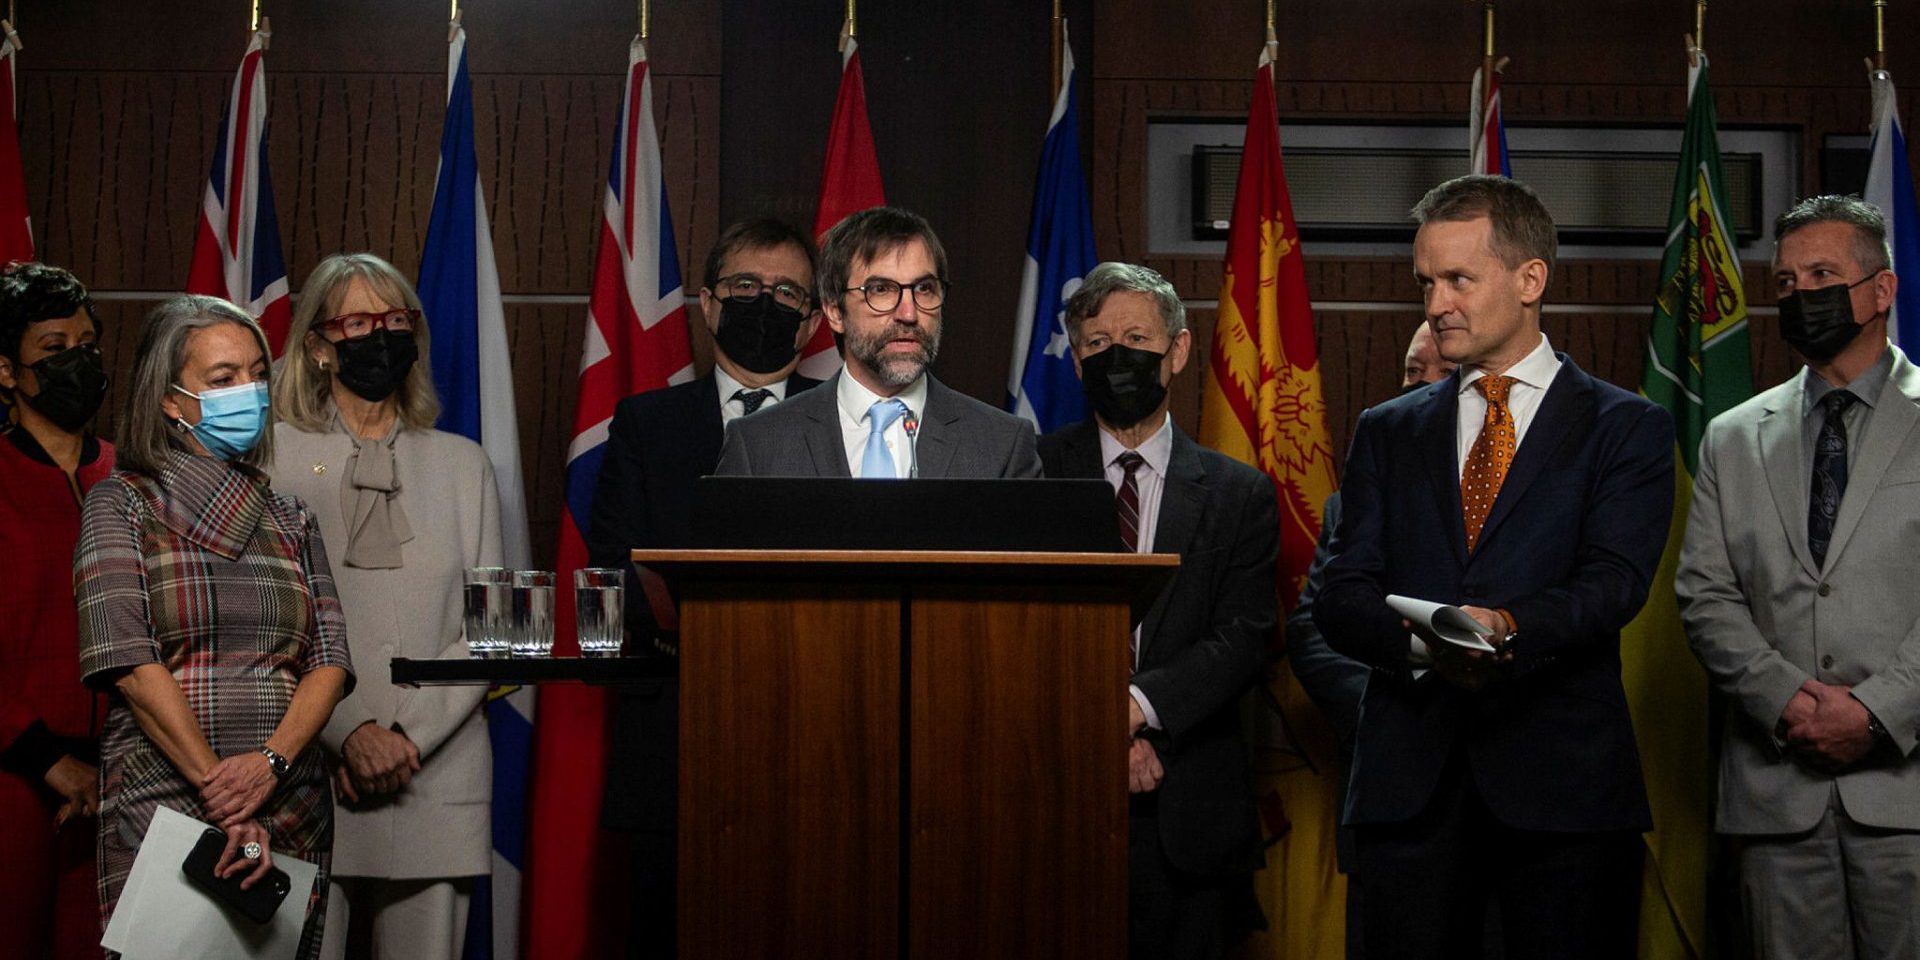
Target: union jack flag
{"x":636,"y":340}
{"x":236,"y":253}
{"x":1487,"y":127}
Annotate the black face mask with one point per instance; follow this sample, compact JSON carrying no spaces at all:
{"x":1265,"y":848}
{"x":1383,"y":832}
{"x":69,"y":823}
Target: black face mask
{"x":72,"y":384}
{"x":758,"y":332}
{"x":1123,"y":384}
{"x":1818,"y":323}
{"x":374,"y":366}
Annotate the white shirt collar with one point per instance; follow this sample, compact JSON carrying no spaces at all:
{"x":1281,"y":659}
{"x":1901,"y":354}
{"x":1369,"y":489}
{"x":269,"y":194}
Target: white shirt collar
{"x":1157,"y":450}
{"x":855,"y":399}
{"x":1535,"y":370}
{"x":728,"y":386}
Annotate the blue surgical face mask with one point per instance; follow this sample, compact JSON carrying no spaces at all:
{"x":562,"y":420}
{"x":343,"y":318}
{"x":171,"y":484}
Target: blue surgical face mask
{"x":231,"y":418}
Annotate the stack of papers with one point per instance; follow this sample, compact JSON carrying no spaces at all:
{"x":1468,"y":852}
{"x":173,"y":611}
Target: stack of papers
{"x":162,"y":915}
{"x":1446,"y":622}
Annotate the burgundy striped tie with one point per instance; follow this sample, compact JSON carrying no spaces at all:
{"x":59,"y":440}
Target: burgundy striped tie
{"x":1128,"y":500}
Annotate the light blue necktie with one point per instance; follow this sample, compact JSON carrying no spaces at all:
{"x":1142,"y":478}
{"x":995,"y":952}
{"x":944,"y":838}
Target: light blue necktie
{"x":878,"y":461}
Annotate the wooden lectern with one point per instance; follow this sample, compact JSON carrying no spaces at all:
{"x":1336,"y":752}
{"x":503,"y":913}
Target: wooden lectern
{"x":904,"y":754}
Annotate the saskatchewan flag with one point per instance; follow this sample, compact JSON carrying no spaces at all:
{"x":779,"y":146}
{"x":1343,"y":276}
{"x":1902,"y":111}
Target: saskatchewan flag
{"x":1698,"y":365}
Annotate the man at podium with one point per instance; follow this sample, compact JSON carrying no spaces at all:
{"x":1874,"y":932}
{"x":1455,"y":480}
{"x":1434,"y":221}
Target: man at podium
{"x":1193,"y":833}
{"x":882,"y":285}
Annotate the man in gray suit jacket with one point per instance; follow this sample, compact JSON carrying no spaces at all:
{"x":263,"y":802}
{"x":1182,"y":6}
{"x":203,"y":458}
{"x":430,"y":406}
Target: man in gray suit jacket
{"x":882,"y":284}
{"x":1799,"y":583}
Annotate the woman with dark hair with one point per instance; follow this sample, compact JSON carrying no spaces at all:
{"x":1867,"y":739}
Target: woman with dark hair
{"x":53,"y":378}
{"x":208,"y":614}
{"x":407,"y":509}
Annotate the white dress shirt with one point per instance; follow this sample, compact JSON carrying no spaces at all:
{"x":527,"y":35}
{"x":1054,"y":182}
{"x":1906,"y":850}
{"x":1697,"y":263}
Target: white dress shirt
{"x":731,"y":408}
{"x":1149,"y":481}
{"x":855,"y":400}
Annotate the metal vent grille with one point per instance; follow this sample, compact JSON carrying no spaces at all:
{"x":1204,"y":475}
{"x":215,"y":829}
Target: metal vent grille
{"x":1595,"y":198}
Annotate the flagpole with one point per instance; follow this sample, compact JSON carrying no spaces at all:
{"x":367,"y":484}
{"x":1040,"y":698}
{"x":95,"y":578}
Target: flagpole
{"x":1486,"y":57}
{"x":645,"y":12}
{"x":850,"y":23}
{"x":1059,"y":38}
{"x":1273,"y":46}
{"x":1879,"y":33}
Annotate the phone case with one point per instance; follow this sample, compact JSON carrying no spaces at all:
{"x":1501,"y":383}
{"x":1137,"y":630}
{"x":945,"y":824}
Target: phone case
{"x":257,"y":903}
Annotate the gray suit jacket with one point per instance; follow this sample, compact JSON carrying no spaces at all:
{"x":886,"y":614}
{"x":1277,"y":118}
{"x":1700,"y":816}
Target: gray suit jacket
{"x":1763,"y":619}
{"x":959,"y":437}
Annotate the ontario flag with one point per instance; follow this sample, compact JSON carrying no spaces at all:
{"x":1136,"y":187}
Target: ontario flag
{"x":236,"y":253}
{"x":849,"y":182}
{"x":636,"y":340}
{"x":1486,"y":127}
{"x":1262,"y":405}
{"x":16,"y":224}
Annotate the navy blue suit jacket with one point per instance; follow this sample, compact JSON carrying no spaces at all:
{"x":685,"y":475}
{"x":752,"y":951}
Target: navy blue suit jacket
{"x":1203,"y":642}
{"x":1569,"y":549}
{"x":659,"y":444}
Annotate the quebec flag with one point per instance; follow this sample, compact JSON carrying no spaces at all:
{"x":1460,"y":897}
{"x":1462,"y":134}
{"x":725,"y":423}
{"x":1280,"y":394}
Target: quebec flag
{"x":1042,"y":386}
{"x":1890,"y":187}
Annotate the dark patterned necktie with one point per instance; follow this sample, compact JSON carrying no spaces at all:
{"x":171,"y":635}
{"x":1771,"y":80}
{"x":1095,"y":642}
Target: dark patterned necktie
{"x":1490,"y":457}
{"x":1829,"y":475}
{"x":1128,"y":500}
{"x":752,"y":399}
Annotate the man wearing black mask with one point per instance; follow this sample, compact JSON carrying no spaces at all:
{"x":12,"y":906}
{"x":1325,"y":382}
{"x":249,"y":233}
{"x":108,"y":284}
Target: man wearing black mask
{"x":1193,"y":836}
{"x":1797,"y":587}
{"x":758,"y":306}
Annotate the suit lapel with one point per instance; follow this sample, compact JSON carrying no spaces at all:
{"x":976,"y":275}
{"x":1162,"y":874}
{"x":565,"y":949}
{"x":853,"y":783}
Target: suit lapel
{"x":824,"y":441}
{"x":1568,"y":402}
{"x":1893,"y":420}
{"x":711,"y":430}
{"x":1183,"y":500}
{"x":1783,"y":457}
{"x":935,"y":446}
{"x":1436,"y":433}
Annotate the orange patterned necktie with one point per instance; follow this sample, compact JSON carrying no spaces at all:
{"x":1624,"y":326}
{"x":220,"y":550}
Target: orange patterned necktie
{"x":1490,"y":457}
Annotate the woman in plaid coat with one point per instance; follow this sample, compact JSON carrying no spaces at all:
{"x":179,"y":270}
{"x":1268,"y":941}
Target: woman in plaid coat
{"x":208,"y":613}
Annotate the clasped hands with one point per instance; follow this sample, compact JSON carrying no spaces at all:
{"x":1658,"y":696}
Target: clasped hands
{"x":1826,"y":727}
{"x":1470,"y":670}
{"x":376,"y":762}
{"x":1144,"y":771}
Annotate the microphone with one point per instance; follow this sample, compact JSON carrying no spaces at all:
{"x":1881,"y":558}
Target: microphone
{"x":912,"y":425}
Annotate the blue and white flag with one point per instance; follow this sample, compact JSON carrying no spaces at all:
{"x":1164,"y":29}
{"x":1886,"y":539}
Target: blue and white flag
{"x":460,"y":289}
{"x":1042,"y":386}
{"x":1890,"y":187}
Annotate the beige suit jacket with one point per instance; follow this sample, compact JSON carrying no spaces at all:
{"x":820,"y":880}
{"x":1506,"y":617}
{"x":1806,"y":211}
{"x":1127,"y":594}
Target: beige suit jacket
{"x":1763,"y":619}
{"x":438,"y":826}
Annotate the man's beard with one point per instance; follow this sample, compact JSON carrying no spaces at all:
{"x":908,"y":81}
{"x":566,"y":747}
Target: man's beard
{"x":895,"y":370}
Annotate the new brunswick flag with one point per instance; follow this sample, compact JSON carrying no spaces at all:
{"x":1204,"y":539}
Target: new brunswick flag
{"x":1262,"y":405}
{"x":1697,"y":366}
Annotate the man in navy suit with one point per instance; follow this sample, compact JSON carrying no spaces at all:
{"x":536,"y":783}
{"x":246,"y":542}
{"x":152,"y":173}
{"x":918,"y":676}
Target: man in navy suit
{"x":1537,"y":498}
{"x":758,"y":305}
{"x":1193,"y":836}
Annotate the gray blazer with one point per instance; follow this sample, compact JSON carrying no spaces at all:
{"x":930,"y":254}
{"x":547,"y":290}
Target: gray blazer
{"x":959,"y":437}
{"x":1763,"y":619}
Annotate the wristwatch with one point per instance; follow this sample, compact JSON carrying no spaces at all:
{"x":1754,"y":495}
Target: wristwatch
{"x":281,"y":767}
{"x":1877,"y":730}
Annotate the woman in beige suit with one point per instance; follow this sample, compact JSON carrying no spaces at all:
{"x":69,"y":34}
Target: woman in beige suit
{"x":405,"y":507}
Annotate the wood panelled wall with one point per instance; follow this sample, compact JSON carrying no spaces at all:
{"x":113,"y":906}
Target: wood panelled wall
{"x":120,"y":102}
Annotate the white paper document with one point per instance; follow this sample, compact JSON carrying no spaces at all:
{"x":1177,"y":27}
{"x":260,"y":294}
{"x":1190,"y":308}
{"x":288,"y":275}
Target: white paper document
{"x":161,"y":914}
{"x":1447,"y":622}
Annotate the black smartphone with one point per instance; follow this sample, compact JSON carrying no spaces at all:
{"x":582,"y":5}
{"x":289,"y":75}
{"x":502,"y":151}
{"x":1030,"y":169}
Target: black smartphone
{"x":257,"y":903}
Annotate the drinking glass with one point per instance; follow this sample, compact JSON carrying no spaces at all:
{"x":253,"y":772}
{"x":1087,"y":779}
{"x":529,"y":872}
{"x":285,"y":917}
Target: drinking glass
{"x":598,"y":593}
{"x":532,"y":633}
{"x":488,"y":610}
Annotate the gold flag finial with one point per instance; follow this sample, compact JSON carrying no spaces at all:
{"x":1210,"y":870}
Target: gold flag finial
{"x":253,"y":22}
{"x":1880,"y":34}
{"x":851,"y":32}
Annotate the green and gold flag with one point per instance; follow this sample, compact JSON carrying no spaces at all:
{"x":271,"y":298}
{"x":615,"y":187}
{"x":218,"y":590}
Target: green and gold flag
{"x":1698,"y":365}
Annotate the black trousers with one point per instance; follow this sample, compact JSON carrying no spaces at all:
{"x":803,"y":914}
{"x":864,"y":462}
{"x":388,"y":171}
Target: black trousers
{"x":1429,"y":881}
{"x":1173,"y":914}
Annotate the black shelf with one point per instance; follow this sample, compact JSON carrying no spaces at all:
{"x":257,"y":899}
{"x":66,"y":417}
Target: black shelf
{"x":615,"y":671}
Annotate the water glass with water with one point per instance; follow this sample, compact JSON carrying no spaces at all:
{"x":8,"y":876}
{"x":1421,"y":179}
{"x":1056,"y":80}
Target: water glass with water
{"x":488,"y":611}
{"x":532,"y":630}
{"x":598,"y":594}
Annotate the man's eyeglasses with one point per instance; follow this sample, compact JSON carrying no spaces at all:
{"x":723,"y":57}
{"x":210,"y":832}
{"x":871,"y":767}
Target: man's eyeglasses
{"x":353,"y":326}
{"x":746,"y":286}
{"x":883,"y":295}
